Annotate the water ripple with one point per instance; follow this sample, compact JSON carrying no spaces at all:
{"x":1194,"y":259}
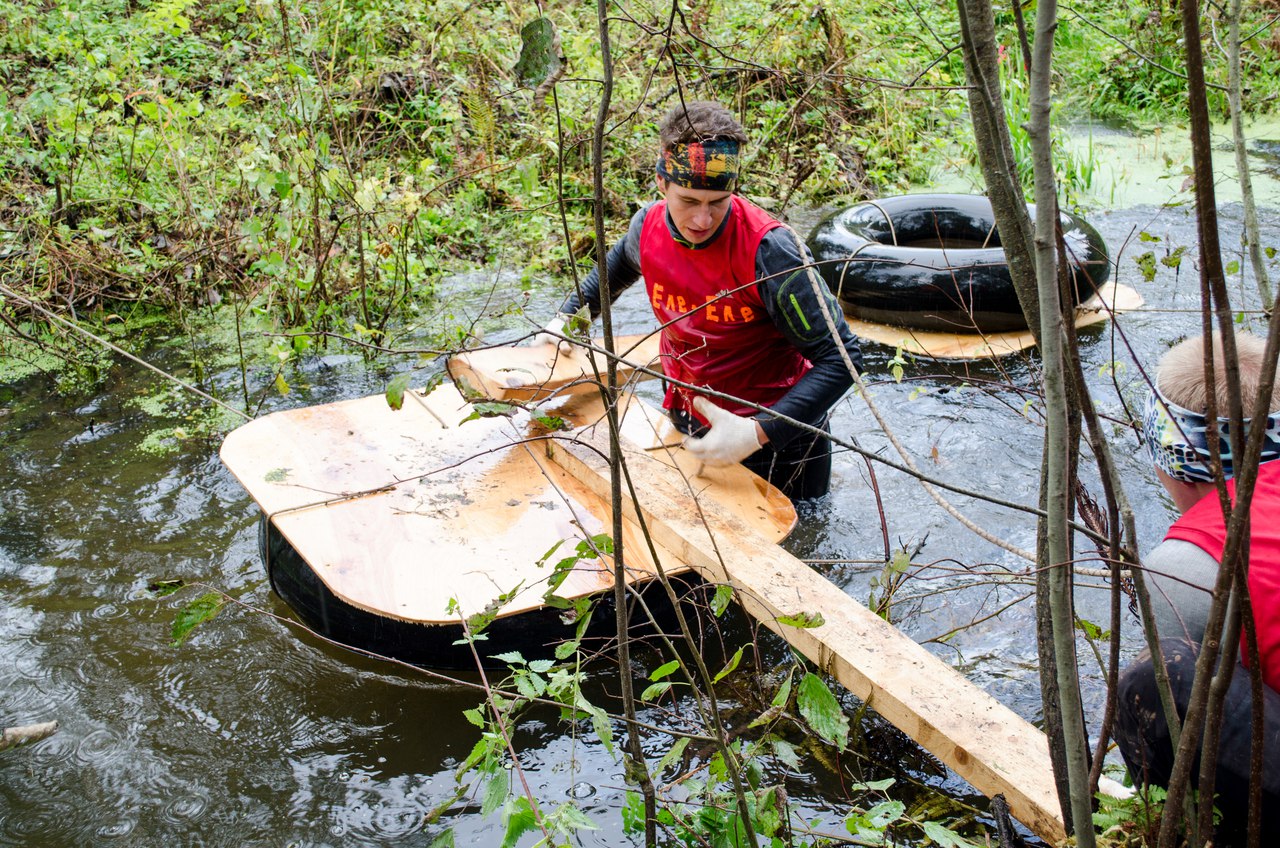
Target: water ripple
{"x":185,"y":809}
{"x":99,"y":748}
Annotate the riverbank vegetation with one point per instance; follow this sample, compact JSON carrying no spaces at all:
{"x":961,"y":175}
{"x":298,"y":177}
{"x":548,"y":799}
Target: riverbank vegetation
{"x":313,"y":170}
{"x":324,"y":163}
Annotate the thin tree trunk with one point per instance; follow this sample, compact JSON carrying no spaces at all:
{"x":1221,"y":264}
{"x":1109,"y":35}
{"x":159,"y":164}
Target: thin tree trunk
{"x":1235,"y":87}
{"x":636,"y":769}
{"x":1216,"y":302}
{"x":1058,"y":441}
{"x":995,"y":156}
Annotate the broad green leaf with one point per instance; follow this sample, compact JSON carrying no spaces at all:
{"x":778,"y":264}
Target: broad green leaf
{"x":281,"y":386}
{"x":1146,"y":236}
{"x":653,"y":690}
{"x":474,"y":716}
{"x":496,"y":790}
{"x":900,"y":562}
{"x":885,"y":813}
{"x":673,"y":756}
{"x":444,"y":840}
{"x":803,"y":620}
{"x":396,"y":389}
{"x":720,"y":601}
{"x":729,"y":666}
{"x":599,"y":721}
{"x":539,"y":52}
{"x":783,"y":694}
{"x":786,"y":752}
{"x":490,"y":409}
{"x":570,"y":817}
{"x":664,"y":670}
{"x":822,"y":711}
{"x":510,"y":658}
{"x":1233,"y":267}
{"x":202,"y":609}
{"x":873,"y":785}
{"x":1093,"y":631}
{"x":520,"y":820}
{"x":945,"y":837}
{"x":541,"y":666}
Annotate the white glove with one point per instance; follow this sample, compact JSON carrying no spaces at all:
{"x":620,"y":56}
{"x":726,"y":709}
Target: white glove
{"x":552,"y":332}
{"x":731,"y":438}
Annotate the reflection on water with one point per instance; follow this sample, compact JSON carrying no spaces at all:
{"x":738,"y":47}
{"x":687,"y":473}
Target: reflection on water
{"x":254,"y":733}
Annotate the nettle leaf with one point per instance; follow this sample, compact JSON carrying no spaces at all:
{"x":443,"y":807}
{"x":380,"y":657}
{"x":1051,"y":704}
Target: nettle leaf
{"x":599,"y":721}
{"x":539,"y":52}
{"x":496,"y":790}
{"x":571,"y":818}
{"x":804,"y":620}
{"x":822,"y":711}
{"x":396,"y":389}
{"x":520,"y":820}
{"x":945,"y":837}
{"x":202,"y":609}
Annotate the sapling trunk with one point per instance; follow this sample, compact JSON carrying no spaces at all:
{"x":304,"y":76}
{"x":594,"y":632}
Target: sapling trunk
{"x":1235,"y":88}
{"x":636,"y":768}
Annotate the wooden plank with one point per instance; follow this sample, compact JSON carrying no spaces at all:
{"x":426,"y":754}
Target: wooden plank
{"x":400,"y":512}
{"x":533,"y":373}
{"x":536,"y":372}
{"x":1110,"y":298}
{"x":979,"y":738}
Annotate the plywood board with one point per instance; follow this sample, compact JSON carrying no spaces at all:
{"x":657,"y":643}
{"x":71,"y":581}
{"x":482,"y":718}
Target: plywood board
{"x":402,"y":513}
{"x":536,"y":372}
{"x":979,"y":738}
{"x":1111,"y":298}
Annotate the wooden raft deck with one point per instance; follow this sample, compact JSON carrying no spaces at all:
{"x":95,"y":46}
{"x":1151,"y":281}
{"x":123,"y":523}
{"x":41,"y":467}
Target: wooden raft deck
{"x":379,"y":502}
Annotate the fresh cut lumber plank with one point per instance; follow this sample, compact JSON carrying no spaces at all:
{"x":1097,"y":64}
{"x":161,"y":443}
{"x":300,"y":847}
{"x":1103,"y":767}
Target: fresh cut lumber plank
{"x":979,"y":738}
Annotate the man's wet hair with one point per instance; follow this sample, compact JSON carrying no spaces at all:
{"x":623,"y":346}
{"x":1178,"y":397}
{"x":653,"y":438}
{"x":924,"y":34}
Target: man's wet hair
{"x":1180,"y":375}
{"x":701,"y":120}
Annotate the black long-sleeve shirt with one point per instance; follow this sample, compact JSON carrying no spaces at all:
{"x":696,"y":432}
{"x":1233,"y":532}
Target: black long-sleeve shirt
{"x":785,"y":287}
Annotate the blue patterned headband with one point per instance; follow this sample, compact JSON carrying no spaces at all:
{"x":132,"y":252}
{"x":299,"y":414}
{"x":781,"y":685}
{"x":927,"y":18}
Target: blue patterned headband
{"x":1179,"y":442}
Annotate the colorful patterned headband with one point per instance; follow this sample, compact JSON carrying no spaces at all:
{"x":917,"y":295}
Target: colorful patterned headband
{"x":709,"y":165}
{"x":1179,"y":442}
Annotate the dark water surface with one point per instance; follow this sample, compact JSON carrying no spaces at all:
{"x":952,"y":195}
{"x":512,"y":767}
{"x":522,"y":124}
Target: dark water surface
{"x":254,"y":733}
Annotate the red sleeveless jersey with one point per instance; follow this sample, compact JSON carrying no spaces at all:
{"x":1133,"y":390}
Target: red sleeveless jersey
{"x":721,"y":337}
{"x":1204,"y":526}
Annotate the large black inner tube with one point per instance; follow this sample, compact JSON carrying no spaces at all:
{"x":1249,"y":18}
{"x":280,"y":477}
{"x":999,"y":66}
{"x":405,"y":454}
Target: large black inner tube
{"x":934,"y":262}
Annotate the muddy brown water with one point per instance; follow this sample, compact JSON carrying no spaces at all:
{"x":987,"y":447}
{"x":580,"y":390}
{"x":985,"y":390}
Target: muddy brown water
{"x":255,"y":733}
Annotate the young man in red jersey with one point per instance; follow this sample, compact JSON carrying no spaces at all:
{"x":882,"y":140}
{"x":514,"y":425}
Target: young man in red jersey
{"x":741,"y":313}
{"x":1181,"y":573}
